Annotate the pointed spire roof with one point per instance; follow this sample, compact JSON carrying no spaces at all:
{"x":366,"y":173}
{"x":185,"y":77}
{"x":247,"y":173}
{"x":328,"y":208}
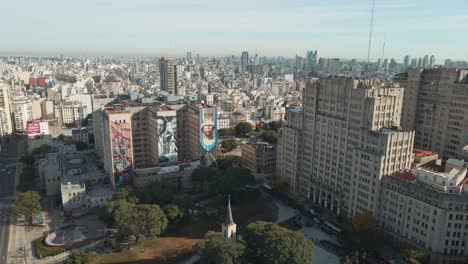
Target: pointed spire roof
{"x":229,"y":219}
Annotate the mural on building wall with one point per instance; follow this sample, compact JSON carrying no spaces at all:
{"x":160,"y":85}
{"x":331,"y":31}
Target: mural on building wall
{"x":208,"y":128}
{"x":167,"y":141}
{"x":121,"y":135}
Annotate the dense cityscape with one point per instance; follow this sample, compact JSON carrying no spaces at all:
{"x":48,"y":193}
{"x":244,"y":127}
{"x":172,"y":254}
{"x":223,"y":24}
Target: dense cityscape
{"x":234,"y":132}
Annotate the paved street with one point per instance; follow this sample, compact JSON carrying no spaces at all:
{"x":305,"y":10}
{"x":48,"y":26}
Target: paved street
{"x":8,"y":169}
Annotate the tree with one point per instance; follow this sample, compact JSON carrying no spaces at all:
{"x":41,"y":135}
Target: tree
{"x":155,"y":193}
{"x":412,"y":256}
{"x":27,"y":204}
{"x":271,"y":243}
{"x":173,"y":212}
{"x":80,"y":257}
{"x":217,"y":250}
{"x":354,"y":258}
{"x":364,"y":222}
{"x":270,"y":136}
{"x":243,"y":128}
{"x":141,"y":221}
{"x":230,"y":180}
{"x":201,"y":176}
{"x":223,"y":162}
{"x":229,"y":144}
{"x":362,"y":235}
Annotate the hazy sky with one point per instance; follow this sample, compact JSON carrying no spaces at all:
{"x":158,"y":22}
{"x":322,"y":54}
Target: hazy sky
{"x":336,"y":28}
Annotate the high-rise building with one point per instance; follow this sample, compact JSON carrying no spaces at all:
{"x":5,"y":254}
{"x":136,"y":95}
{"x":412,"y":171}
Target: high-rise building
{"x":351,"y":139}
{"x":414,"y":63}
{"x":425,"y":61}
{"x":432,"y":61}
{"x":189,"y":56}
{"x":334,"y":66}
{"x":6,"y":106}
{"x":420,"y":63}
{"x":406,"y":61}
{"x":311,"y":61}
{"x":168,"y":75}
{"x":22,"y":111}
{"x":244,"y":61}
{"x":289,"y":148}
{"x":70,"y":113}
{"x":434,"y":105}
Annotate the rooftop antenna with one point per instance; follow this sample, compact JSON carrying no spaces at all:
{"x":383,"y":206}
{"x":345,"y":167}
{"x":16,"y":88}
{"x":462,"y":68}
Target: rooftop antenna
{"x":370,"y":38}
{"x":383,"y":50}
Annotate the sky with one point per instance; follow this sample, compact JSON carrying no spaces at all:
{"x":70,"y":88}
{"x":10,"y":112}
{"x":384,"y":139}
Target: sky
{"x":336,"y":28}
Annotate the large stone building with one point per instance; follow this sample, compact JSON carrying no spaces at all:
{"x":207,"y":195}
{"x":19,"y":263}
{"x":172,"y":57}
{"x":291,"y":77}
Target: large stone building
{"x":435,"y":105}
{"x":70,"y":113}
{"x":289,"y":148}
{"x":428,"y":206}
{"x":352,"y":138}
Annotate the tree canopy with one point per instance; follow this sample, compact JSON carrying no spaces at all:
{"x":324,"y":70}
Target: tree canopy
{"x":173,"y":212}
{"x":412,"y":256}
{"x":229,"y":144}
{"x":243,"y":128}
{"x":27,"y":204}
{"x":80,"y":257}
{"x":220,"y":251}
{"x":141,"y":221}
{"x":230,"y":180}
{"x":355,"y":257}
{"x":271,"y":243}
{"x":270,"y":136}
{"x":362,"y":235}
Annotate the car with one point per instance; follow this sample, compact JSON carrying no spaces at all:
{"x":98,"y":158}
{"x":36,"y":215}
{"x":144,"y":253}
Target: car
{"x":316,"y":220}
{"x":312,"y":211}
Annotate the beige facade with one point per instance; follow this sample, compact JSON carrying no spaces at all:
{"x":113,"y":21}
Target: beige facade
{"x":435,"y":105}
{"x":6,"y":105}
{"x":351,"y":140}
{"x":69,"y":113}
{"x":415,"y":209}
{"x":259,"y":158}
{"x":168,"y":75}
{"x":22,"y":107}
{"x":289,"y":148}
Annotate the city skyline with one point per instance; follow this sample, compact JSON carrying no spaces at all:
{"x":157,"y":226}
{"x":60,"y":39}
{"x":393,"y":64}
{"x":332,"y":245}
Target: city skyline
{"x":270,"y":28}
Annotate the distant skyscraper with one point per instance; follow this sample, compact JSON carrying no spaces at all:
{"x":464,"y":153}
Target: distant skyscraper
{"x":168,"y":75}
{"x":256,"y":60}
{"x":311,"y":61}
{"x":420,"y":63}
{"x":189,"y":56}
{"x":244,"y":61}
{"x":406,"y":60}
{"x":414,"y":63}
{"x":334,"y":66}
{"x":432,"y":61}
{"x":425,"y":62}
{"x":198,"y":58}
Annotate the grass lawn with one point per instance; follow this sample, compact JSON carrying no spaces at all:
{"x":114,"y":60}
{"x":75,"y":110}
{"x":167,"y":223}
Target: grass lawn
{"x":161,"y":250}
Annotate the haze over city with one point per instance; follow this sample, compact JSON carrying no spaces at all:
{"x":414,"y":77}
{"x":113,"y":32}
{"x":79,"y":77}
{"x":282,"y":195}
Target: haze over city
{"x":337,"y":28}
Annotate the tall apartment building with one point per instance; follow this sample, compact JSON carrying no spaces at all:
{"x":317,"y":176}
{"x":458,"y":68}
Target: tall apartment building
{"x":244,"y":61}
{"x":47,"y":110}
{"x":6,"y":106}
{"x":168,"y":75}
{"x":289,"y":148}
{"x":70,"y":113}
{"x":22,"y":107}
{"x":429,"y":207}
{"x":435,"y":105}
{"x":351,"y":140}
{"x":141,"y":136}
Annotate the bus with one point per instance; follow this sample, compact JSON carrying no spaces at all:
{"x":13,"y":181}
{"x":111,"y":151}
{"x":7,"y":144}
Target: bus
{"x":331,"y":228}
